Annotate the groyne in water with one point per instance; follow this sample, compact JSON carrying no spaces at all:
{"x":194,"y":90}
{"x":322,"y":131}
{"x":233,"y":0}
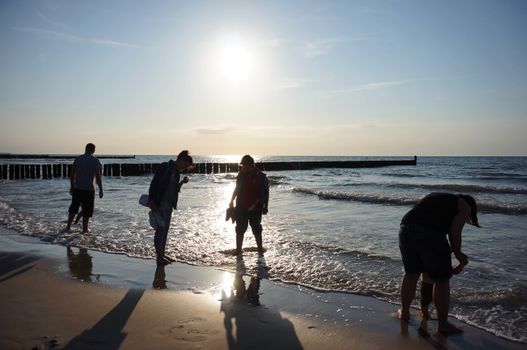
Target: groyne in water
{"x":58,"y":156}
{"x":52,"y":171}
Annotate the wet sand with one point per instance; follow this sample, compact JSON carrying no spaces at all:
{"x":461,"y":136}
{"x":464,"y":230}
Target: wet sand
{"x":55,"y":298}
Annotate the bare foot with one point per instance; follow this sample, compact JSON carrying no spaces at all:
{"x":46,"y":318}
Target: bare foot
{"x":168,"y":258}
{"x":403,"y":316}
{"x":448,"y":329}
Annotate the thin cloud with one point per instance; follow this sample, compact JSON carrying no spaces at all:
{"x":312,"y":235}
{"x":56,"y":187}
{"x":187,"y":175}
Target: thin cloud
{"x":319,"y":48}
{"x":213,"y":131}
{"x":291,"y":83}
{"x":56,"y":24}
{"x":366,"y":87}
{"x":325,"y":46}
{"x":74,"y":38}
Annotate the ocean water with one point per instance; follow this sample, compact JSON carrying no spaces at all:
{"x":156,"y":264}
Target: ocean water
{"x":329,"y":229}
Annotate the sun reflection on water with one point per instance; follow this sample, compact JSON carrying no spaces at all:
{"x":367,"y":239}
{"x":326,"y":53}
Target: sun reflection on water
{"x":224,"y":289}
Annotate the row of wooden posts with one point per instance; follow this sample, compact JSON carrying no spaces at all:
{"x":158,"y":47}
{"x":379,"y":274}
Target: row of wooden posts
{"x":52,"y":171}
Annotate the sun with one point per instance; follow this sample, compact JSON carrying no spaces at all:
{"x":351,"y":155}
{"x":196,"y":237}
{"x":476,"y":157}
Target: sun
{"x":234,"y":59}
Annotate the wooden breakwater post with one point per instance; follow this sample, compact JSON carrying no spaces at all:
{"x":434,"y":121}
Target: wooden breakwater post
{"x":51,"y":171}
{"x":34,"y":171}
{"x":308,"y":165}
{"x":59,"y":156}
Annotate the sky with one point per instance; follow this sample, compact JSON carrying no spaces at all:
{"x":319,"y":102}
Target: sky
{"x":392,"y":77}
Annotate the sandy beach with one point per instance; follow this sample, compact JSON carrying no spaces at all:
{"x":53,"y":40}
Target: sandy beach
{"x":55,"y":298}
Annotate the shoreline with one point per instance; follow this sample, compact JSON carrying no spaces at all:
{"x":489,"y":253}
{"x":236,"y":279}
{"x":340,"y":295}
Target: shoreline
{"x":46,"y":306}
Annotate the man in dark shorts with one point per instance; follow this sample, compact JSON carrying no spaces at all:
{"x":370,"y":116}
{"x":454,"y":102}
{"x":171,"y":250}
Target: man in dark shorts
{"x":85,"y":168}
{"x":425,"y":248}
{"x":252,"y":197}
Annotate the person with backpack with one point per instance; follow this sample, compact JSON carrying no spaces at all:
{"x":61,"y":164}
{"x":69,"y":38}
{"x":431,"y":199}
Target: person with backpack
{"x":252,"y":198}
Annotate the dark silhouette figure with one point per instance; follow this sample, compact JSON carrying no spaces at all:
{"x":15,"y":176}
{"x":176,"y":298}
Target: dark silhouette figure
{"x":425,"y":249}
{"x":107,"y":333}
{"x":163,"y":196}
{"x":85,"y":169}
{"x":252,"y":198}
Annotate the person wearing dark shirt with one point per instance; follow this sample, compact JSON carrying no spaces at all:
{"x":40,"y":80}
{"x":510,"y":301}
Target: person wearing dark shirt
{"x":85,"y":169}
{"x":163,"y":196}
{"x":425,"y":249}
{"x":252,"y":198}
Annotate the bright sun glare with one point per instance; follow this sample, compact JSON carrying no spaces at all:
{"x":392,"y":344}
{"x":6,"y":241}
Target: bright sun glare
{"x":234,"y":59}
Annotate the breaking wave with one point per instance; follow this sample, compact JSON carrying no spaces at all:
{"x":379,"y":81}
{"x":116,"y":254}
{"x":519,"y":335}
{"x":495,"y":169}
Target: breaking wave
{"x":373,"y":198}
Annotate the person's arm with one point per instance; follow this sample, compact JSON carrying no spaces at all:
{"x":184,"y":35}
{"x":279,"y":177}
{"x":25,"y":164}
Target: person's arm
{"x":456,"y":228}
{"x":98,"y":179}
{"x":235,"y":192}
{"x":153,"y":200}
{"x":234,"y":195}
{"x":264,"y":188}
{"x":184,"y":181}
{"x":72,"y":178}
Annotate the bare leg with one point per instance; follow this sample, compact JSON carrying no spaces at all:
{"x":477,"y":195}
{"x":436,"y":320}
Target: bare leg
{"x":442,"y":301}
{"x":159,"y":252}
{"x":259,"y":244}
{"x":79,"y":215}
{"x":426,"y":297}
{"x":85,"y":220}
{"x":70,"y":220}
{"x":408,"y":285}
{"x":239,"y":243}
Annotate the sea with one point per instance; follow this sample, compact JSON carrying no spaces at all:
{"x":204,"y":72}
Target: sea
{"x":327,"y":229}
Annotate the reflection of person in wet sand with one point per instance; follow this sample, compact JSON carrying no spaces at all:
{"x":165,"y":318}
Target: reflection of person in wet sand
{"x":249,"y":294}
{"x":80,"y":264}
{"x":241,"y":319}
{"x":159,"y":278}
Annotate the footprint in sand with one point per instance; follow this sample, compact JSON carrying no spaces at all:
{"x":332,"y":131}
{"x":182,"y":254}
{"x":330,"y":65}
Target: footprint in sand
{"x":190,"y":330}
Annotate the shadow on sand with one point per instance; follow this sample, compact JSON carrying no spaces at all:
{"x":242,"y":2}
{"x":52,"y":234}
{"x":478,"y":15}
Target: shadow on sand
{"x":13,"y":264}
{"x":249,"y":324}
{"x":107,"y":333}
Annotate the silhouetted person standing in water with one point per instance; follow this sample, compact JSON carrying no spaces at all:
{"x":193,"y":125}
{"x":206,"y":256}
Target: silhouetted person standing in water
{"x":163,"y":197}
{"x":85,"y":168}
{"x":252,"y":197}
{"x":425,"y":248}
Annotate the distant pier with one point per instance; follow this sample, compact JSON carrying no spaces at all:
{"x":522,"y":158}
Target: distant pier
{"x":58,"y":156}
{"x":53,"y":171}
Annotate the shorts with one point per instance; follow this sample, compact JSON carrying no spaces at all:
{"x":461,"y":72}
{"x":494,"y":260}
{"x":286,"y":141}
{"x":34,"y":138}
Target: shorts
{"x":82,"y":198}
{"x":425,"y":250}
{"x":245,"y":218}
